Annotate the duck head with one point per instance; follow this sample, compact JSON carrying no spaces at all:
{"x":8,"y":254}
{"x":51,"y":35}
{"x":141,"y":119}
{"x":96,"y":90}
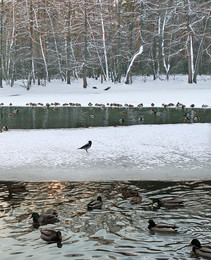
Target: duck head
{"x":156,"y":201}
{"x":151,"y":223}
{"x":59,"y":235}
{"x":35,"y":216}
{"x":195,"y":243}
{"x":99,"y":198}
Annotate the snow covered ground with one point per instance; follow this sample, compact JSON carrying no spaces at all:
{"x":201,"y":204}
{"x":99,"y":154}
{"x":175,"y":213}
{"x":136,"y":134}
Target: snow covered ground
{"x":148,"y":152}
{"x":141,"y":91}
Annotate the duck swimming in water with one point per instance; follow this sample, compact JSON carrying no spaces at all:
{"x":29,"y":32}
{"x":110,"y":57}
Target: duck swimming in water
{"x":200,"y":250}
{"x":136,"y":200}
{"x":95,"y":204}
{"x":127,"y":193}
{"x":46,"y":218}
{"x":171,"y":203}
{"x":50,"y":235}
{"x":16,"y":188}
{"x":163,"y":227}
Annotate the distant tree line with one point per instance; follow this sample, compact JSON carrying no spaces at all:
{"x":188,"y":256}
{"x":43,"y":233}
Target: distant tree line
{"x":66,"y":39}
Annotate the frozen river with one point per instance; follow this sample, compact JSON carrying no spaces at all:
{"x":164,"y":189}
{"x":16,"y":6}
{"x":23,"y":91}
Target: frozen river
{"x":144,"y":152}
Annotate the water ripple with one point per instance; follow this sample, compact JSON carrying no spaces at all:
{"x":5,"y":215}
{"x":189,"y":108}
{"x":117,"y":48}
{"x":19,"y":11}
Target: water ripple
{"x":118,"y":231}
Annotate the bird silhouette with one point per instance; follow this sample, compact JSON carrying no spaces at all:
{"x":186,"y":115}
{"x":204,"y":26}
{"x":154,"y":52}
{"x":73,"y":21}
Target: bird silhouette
{"x":86,"y":146}
{"x":107,"y":88}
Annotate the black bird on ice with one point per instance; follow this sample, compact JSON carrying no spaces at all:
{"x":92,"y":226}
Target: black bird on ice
{"x":86,"y":146}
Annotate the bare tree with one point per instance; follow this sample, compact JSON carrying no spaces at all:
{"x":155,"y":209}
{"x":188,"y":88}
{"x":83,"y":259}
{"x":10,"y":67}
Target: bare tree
{"x":80,"y":38}
{"x":1,"y":43}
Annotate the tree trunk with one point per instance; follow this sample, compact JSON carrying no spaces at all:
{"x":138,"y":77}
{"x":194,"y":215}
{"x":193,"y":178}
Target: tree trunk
{"x":68,"y":39}
{"x":104,"y":40}
{"x":84,"y":77}
{"x":1,"y":42}
{"x":166,"y":63}
{"x":199,"y":54}
{"x":31,"y":30}
{"x":42,"y":42}
{"x":85,"y":47}
{"x":190,"y":59}
{"x":29,"y":81}
{"x":119,"y":58}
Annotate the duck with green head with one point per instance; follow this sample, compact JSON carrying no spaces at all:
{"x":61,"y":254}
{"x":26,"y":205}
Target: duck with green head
{"x":95,"y":204}
{"x":171,"y":203}
{"x":162,"y":227}
{"x":45,"y":218}
{"x":200,"y":250}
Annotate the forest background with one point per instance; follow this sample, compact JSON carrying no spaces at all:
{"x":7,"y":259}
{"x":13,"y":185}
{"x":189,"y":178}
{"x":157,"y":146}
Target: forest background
{"x":45,"y":39}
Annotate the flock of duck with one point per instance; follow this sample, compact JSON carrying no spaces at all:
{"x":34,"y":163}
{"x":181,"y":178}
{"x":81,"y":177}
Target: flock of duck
{"x":50,"y":235}
{"x":55,"y":104}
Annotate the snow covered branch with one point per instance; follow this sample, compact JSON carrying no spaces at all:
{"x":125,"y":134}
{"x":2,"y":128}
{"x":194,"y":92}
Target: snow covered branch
{"x":131,"y":63}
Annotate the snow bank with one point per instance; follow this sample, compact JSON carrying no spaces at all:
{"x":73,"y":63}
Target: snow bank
{"x":143,"y":90}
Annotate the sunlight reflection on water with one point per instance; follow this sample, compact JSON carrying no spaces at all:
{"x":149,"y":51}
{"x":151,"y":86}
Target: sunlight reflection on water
{"x":118,"y":231}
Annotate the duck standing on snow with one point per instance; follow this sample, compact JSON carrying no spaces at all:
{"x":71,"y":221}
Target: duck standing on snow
{"x":163,"y":227}
{"x":200,"y":250}
{"x":86,"y":146}
{"x":46,"y":218}
{"x":5,"y":128}
{"x":95,"y":204}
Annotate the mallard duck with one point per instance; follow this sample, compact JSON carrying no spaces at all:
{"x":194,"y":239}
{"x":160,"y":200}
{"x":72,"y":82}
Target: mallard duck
{"x":50,"y":235}
{"x":16,"y":188}
{"x":167,"y":203}
{"x":163,"y":227}
{"x":127,"y":193}
{"x":200,"y":250}
{"x":46,"y":218}
{"x":95,"y":204}
{"x":136,"y":200}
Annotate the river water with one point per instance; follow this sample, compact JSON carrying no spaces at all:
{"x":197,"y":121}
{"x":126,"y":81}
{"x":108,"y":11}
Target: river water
{"x":118,"y":231}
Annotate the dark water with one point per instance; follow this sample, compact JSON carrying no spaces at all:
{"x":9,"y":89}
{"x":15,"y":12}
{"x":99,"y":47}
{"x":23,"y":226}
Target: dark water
{"x":118,"y":231}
